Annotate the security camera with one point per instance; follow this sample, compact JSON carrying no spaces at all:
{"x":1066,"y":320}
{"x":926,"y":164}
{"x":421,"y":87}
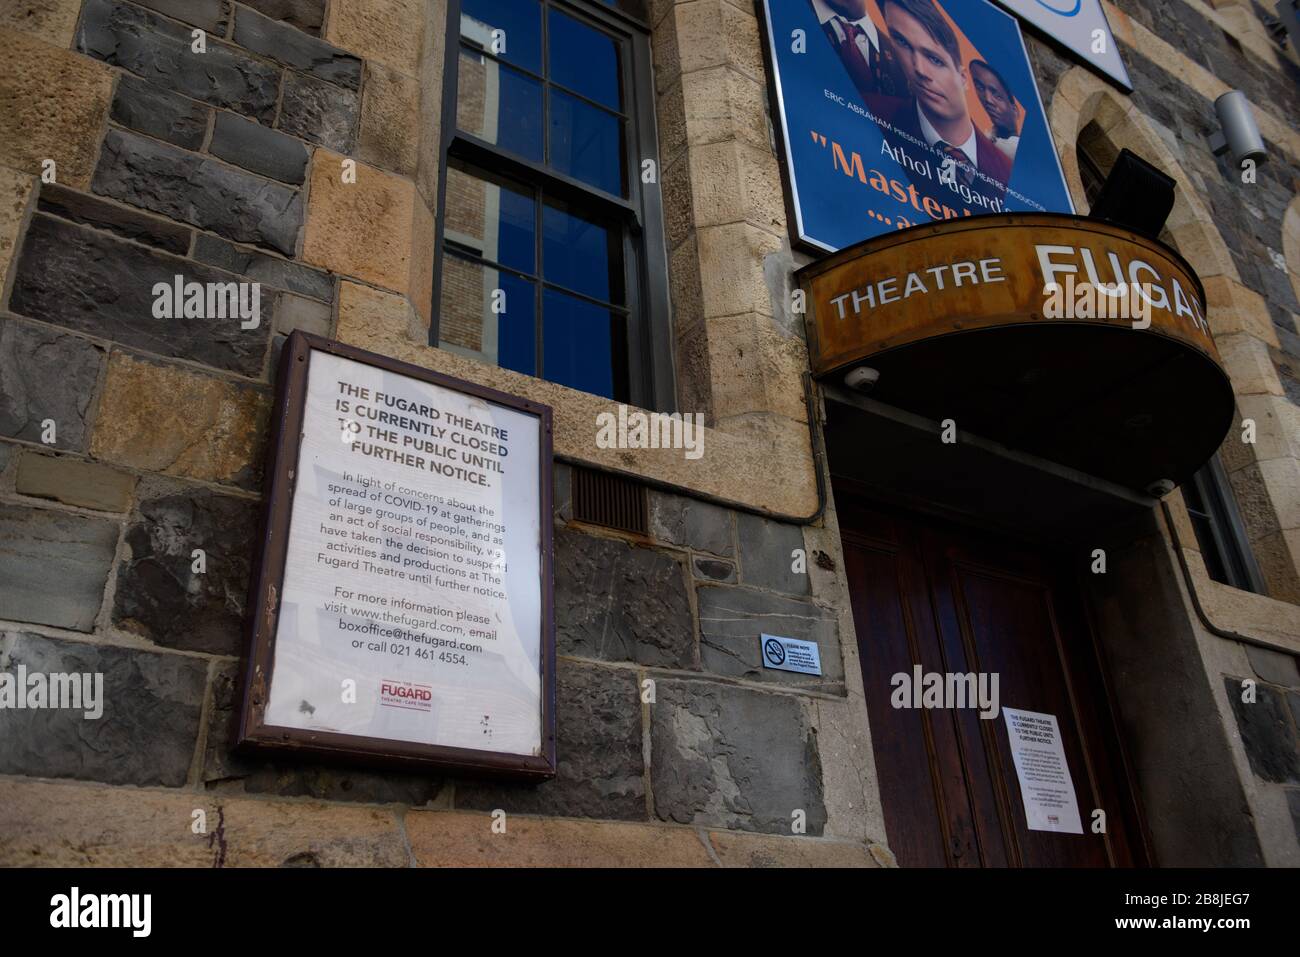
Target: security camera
{"x":1239,"y":136}
{"x":862,"y":379}
{"x":1160,"y":488}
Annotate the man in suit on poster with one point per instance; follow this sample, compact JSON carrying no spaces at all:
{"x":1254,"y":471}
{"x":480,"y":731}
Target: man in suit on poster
{"x":853,"y":35}
{"x":936,"y":113}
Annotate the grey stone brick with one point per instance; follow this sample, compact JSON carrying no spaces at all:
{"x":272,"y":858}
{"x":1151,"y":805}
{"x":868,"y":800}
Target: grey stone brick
{"x":227,"y":772}
{"x":600,"y":765}
{"x":320,"y":112}
{"x":690,"y":523}
{"x":267,"y":270}
{"x":74,"y":481}
{"x":53,"y":566}
{"x":146,"y":734}
{"x":198,"y":191}
{"x":159,"y":597}
{"x":1275,"y":666}
{"x":713,"y":569}
{"x":118,"y":220}
{"x":306,"y":15}
{"x":46,"y":374}
{"x":1267,"y":733}
{"x":562,"y":492}
{"x":620,"y":603}
{"x":150,"y":109}
{"x":734,"y":758}
{"x":294,"y":312}
{"x":212,"y":15}
{"x":732,"y":619}
{"x":293,"y":48}
{"x":767,"y":554}
{"x":159,"y":50}
{"x":90,"y":281}
{"x":257,"y":148}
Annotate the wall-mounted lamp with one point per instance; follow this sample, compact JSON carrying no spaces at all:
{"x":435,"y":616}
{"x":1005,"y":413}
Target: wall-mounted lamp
{"x":1239,"y":135}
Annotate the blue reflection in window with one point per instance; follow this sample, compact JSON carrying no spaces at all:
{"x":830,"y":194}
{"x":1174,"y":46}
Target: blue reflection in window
{"x":577,"y":254}
{"x":577,"y":343}
{"x":586,"y":143}
{"x":520,"y":23}
{"x":517,"y":326}
{"x":513,"y":120}
{"x":583,"y":59}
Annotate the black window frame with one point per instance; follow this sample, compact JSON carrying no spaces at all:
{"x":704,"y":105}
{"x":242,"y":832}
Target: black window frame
{"x":1220,"y":531}
{"x":650,"y":373}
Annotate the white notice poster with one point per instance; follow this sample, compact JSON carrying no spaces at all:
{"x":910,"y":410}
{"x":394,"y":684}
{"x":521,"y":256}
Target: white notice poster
{"x":1046,"y":787}
{"x":412,"y":598}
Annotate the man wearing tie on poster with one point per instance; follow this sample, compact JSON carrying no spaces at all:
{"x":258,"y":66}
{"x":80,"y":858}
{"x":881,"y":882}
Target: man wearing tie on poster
{"x":937,"y":112}
{"x":855,"y":38}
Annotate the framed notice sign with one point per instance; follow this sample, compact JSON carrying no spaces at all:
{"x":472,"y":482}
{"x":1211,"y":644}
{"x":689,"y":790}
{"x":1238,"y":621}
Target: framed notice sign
{"x":402,"y":607}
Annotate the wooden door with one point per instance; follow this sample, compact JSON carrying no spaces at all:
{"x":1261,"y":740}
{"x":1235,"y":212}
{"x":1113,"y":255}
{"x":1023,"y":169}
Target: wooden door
{"x":953,"y":600}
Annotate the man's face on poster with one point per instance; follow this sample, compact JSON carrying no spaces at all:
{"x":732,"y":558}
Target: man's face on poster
{"x":997,"y":103}
{"x":935,"y":79}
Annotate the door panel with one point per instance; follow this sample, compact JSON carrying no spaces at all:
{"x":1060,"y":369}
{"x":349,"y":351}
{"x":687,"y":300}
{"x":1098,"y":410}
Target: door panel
{"x":953,"y":600}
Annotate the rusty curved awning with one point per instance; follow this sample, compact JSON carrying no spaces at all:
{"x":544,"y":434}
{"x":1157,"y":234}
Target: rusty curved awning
{"x":960,"y":321}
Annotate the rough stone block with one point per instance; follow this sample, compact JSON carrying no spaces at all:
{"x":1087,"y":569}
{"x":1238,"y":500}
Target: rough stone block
{"x":767,"y":554}
{"x":1275,"y":666}
{"x":162,"y":418}
{"x":46,"y":375}
{"x":291,"y":47}
{"x":199,"y":191}
{"x":226,"y":772}
{"x":74,"y":482}
{"x":146,"y":735}
{"x":362,"y":229}
{"x":53,"y":566}
{"x":77,"y":825}
{"x":90,"y":281}
{"x":52,"y":106}
{"x":160,"y":51}
{"x":390,"y":127}
{"x":713,"y":569}
{"x":257,"y":148}
{"x":15,"y":194}
{"x":306,"y":15}
{"x":52,"y":21}
{"x":451,"y":839}
{"x":733,"y":758}
{"x":159,"y":596}
{"x":732,"y":619}
{"x":620,"y":603}
{"x":690,"y":523}
{"x":752,"y":850}
{"x":320,"y":112}
{"x":210,"y":15}
{"x":119,"y":220}
{"x":268,"y":270}
{"x":150,"y":109}
{"x":385,"y":31}
{"x":1267,"y":732}
{"x":600,"y":763}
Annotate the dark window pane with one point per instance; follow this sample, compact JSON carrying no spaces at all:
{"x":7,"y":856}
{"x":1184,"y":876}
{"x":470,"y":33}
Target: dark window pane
{"x":499,"y":105}
{"x":586,"y":143}
{"x":491,"y":216}
{"x":583,"y":59}
{"x":581,"y":255}
{"x":520,"y":23}
{"x":582,"y":345}
{"x":469,"y":325}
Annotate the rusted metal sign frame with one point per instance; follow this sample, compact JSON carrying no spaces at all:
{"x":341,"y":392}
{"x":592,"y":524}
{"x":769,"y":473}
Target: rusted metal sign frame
{"x":268,"y":581}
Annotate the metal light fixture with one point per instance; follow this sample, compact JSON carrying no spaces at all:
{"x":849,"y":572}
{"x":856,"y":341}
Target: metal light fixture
{"x":1239,"y":135}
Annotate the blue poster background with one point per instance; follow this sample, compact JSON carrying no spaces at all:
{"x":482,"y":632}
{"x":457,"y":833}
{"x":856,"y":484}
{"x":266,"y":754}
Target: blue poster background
{"x":834,"y":206}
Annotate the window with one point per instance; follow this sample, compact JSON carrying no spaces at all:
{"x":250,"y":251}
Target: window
{"x":1219,"y":530}
{"x":551,"y":256}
